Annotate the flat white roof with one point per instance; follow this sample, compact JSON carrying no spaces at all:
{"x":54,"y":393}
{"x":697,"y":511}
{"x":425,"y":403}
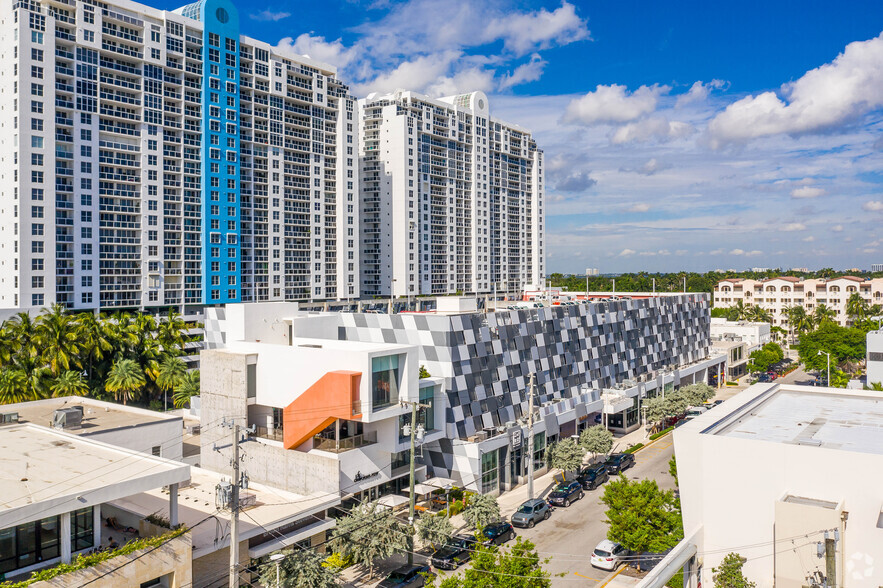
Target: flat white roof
{"x":266,"y":508}
{"x":98,"y":416}
{"x":317,"y":344}
{"x":44,"y":472}
{"x":848,"y":420}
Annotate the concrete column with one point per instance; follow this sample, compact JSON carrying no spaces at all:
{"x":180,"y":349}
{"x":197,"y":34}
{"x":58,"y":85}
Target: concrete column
{"x":173,"y":505}
{"x":96,"y":525}
{"x":65,"y":537}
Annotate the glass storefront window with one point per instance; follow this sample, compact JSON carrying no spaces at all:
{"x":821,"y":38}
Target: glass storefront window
{"x":539,"y":450}
{"x":38,"y":541}
{"x":490,"y":475}
{"x":82,"y":536}
{"x":384,"y":381}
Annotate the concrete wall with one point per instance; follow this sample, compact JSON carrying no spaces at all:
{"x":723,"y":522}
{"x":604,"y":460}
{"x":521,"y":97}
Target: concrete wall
{"x":171,"y":558}
{"x":223,"y":384}
{"x":213,"y":570}
{"x":169,"y":435}
{"x":731,"y":487}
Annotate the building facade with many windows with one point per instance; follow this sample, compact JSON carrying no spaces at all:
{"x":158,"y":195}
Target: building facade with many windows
{"x":451,"y":198}
{"x":158,"y":158}
{"x":776,"y":295}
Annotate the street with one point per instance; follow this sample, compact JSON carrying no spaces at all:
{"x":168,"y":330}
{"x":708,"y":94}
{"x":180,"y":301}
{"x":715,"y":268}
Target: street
{"x":571,"y":534}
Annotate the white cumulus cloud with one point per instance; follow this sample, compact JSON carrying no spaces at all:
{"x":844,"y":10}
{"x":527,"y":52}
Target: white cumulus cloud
{"x":269,"y":15}
{"x":524,"y":32}
{"x":873,"y":205}
{"x":791,"y":227}
{"x":524,"y":73}
{"x":655,"y":128}
{"x":626,"y":252}
{"x":639,"y":207}
{"x":698,"y":92}
{"x":319,"y":48}
{"x":613,"y":104}
{"x":824,"y":98}
{"x":808,"y":192}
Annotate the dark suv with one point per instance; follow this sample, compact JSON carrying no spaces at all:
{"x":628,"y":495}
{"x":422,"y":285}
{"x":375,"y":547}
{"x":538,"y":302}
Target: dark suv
{"x":457,"y":551}
{"x":497,"y":533}
{"x":566,"y":493}
{"x":593,"y":476}
{"x":619,"y":462}
{"x":406,"y":577}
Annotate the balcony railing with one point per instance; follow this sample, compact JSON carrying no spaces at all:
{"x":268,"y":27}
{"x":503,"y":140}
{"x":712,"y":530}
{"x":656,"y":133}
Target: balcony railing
{"x":272,"y":434}
{"x":354,"y":442}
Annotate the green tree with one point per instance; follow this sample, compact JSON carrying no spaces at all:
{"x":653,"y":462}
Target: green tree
{"x":424,"y":373}
{"x":729,"y":573}
{"x":823,"y":314}
{"x":642,"y":517}
{"x":434,"y":529}
{"x":13,"y":386}
{"x":125,"y":378}
{"x":481,"y":510}
{"x":171,"y":374}
{"x":57,"y":338}
{"x":302,"y":568}
{"x":757,"y":314}
{"x":596,"y":439}
{"x":763,"y":358}
{"x":491,"y":567}
{"x":69,"y":383}
{"x":673,"y":468}
{"x":696,"y":394}
{"x":566,"y":455}
{"x":369,"y":532}
{"x":856,"y":307}
{"x":187,"y":389}
{"x":799,"y":321}
{"x":843,"y":343}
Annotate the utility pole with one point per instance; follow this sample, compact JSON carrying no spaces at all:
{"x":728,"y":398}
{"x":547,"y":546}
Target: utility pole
{"x":411,"y":497}
{"x":830,"y":562}
{"x":530,"y":439}
{"x":234,"y":513}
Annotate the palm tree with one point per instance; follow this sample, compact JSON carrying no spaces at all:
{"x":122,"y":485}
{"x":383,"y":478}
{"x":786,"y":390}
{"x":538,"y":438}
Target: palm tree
{"x":856,"y":307}
{"x":57,"y":338}
{"x":171,"y":374}
{"x":758,"y":314}
{"x":13,"y":386}
{"x":187,"y":389}
{"x":19,"y":333}
{"x":125,"y":378}
{"x":170,"y":332}
{"x":92,"y":333}
{"x":740,"y":310}
{"x":69,"y":383}
{"x":823,"y":313}
{"x":799,"y":321}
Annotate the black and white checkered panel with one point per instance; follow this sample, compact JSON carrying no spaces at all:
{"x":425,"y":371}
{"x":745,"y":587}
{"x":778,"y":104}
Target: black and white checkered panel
{"x":486,"y":359}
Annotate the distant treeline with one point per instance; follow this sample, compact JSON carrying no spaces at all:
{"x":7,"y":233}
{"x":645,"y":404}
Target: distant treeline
{"x":674,"y":282}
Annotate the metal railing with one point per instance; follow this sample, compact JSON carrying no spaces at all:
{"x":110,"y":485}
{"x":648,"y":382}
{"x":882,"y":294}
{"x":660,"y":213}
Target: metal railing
{"x":266,"y":433}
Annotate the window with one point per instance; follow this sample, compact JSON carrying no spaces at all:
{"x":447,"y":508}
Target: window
{"x":384,"y":381}
{"x":30,"y":543}
{"x":156,"y":450}
{"x":490,"y":472}
{"x":36,"y":300}
{"x":82,"y":536}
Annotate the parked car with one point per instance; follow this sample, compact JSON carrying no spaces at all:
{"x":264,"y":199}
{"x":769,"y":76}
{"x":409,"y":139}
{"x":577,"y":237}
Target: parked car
{"x":406,"y":577}
{"x":695,"y":411}
{"x":608,"y":555}
{"x":619,"y":462}
{"x":566,"y":493}
{"x":772,"y":375}
{"x":763,"y":378}
{"x":593,"y":476}
{"x":497,"y":533}
{"x":457,"y":551}
{"x":530,"y":513}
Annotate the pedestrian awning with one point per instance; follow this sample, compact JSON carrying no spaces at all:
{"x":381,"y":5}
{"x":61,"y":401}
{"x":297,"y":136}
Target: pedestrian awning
{"x":392,"y":500}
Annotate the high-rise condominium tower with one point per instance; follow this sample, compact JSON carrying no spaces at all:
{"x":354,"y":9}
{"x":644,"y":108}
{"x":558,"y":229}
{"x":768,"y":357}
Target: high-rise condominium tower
{"x":451,"y":197}
{"x":152,"y":158}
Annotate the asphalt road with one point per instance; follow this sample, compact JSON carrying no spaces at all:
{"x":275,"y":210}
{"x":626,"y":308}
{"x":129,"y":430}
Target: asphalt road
{"x":570,"y":534}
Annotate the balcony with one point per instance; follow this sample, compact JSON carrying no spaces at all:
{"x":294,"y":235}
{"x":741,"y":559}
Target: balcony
{"x":346,"y":444}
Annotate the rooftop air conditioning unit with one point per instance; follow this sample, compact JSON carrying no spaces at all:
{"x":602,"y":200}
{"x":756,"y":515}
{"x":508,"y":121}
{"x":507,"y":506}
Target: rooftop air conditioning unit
{"x":8,"y":417}
{"x":68,"y":418}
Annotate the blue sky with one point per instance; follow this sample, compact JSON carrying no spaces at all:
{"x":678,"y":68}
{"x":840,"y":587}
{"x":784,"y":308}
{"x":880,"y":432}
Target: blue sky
{"x":678,"y":135}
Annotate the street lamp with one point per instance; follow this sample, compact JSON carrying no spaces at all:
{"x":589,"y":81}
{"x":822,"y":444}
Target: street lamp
{"x":276,"y":558}
{"x":391,"y":293}
{"x":829,"y":365}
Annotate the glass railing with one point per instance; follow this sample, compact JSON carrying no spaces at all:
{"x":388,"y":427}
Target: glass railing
{"x":354,"y":442}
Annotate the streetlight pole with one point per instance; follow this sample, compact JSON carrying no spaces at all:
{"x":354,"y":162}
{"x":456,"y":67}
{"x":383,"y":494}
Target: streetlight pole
{"x":277,"y":557}
{"x":413,"y":433}
{"x":530,"y":438}
{"x":391,"y":294}
{"x":654,"y":286}
{"x":829,"y":365}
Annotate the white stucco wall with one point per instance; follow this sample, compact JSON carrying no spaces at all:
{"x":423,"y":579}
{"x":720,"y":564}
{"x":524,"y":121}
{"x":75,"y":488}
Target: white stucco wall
{"x":730,"y":487}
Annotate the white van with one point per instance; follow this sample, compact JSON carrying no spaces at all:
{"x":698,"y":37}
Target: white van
{"x":695,"y":411}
